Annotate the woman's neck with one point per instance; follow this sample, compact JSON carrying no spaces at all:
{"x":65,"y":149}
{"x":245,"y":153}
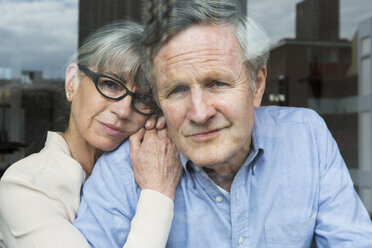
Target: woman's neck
{"x":81,"y":150}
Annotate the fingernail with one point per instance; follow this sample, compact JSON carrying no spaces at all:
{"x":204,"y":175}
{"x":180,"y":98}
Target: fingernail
{"x":160,"y":123}
{"x":148,"y":124}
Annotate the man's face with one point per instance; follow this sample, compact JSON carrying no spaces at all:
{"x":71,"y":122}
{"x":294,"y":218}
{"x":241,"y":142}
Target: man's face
{"x":204,"y":92}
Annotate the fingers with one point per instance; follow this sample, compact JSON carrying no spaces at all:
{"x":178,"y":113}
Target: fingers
{"x":160,"y":123}
{"x":156,"y":163}
{"x":151,"y":122}
{"x":135,"y":139}
{"x":155,"y":121}
{"x":149,"y":134}
{"x":163,"y":134}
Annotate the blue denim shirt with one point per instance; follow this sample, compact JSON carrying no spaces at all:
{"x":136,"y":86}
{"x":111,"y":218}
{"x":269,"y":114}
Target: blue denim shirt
{"x":294,"y":185}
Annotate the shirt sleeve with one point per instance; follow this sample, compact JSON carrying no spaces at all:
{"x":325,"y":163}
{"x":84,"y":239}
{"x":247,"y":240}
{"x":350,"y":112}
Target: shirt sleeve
{"x":30,"y":217}
{"x":342,"y":220}
{"x":109,"y":215}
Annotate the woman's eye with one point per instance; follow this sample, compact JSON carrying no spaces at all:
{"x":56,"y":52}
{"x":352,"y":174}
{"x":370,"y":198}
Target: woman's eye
{"x":109,"y":85}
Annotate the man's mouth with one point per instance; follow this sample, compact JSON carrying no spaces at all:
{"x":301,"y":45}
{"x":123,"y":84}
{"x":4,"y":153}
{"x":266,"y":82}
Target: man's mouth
{"x":204,"y":135}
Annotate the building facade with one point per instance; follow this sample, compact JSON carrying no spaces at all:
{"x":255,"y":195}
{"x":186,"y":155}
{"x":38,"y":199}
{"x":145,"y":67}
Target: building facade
{"x":28,"y":111}
{"x":363,"y":175}
{"x":319,"y":70}
{"x":94,"y":14}
{"x":317,"y":20}
{"x":316,"y":75}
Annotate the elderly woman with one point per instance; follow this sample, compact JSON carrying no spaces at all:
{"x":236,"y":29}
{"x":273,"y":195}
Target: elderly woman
{"x":40,"y":194}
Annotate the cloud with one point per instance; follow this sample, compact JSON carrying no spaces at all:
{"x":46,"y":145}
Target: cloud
{"x":352,"y":13}
{"x":38,"y":35}
{"x":276,"y":17}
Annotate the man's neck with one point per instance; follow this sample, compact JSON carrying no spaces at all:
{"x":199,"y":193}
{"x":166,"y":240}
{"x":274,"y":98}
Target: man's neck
{"x":223,"y":180}
{"x":223,"y":174}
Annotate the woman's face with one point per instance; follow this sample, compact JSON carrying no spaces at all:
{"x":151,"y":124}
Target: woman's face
{"x":102,"y":122}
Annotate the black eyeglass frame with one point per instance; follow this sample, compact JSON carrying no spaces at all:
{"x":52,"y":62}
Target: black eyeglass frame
{"x":95,"y":77}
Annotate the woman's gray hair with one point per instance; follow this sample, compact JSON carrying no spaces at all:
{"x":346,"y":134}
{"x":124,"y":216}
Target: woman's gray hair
{"x":114,"y":48}
{"x":173,"y":18}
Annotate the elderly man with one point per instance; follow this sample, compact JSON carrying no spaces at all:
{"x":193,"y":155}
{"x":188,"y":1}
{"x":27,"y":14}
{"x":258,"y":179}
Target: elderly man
{"x":253,"y":177}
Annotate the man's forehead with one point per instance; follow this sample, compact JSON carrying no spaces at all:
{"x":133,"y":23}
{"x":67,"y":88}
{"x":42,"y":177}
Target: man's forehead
{"x":198,"y":38}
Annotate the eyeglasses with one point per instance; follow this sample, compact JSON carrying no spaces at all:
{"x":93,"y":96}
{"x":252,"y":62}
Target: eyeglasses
{"x":113,"y":89}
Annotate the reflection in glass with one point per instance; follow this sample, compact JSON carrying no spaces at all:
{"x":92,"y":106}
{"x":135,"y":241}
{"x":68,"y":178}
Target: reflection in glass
{"x":366,"y":76}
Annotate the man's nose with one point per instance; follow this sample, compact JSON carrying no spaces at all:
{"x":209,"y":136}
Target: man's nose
{"x":123,"y":108}
{"x":201,"y":109}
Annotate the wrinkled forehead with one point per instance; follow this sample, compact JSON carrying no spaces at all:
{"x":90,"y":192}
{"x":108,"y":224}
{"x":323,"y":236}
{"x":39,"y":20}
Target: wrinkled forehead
{"x":201,"y":36}
{"x":197,"y":45}
{"x":210,"y":39}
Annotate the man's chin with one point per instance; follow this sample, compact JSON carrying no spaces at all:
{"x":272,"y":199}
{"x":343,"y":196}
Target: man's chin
{"x":206,"y":160}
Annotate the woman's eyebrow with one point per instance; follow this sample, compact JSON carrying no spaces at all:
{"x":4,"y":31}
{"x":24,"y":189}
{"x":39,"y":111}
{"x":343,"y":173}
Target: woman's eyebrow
{"x":116,"y":76}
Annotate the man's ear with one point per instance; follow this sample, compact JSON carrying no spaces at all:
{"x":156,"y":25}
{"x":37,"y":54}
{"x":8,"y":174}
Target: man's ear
{"x":260,"y":86}
{"x":71,"y":80}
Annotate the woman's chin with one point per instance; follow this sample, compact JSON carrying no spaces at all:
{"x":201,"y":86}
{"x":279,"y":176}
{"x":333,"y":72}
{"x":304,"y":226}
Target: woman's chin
{"x":108,"y":145}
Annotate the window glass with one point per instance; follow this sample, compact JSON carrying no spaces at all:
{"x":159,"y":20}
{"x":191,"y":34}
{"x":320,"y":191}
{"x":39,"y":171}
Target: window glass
{"x":321,"y":59}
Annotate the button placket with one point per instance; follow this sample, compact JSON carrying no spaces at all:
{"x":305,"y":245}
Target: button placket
{"x":241,"y":240}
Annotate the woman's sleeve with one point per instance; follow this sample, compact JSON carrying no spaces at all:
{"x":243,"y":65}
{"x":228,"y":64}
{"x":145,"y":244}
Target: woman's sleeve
{"x":151,"y":225}
{"x":32,"y":217}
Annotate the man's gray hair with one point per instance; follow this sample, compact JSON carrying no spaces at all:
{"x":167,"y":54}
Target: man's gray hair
{"x":114,"y":48}
{"x":172,"y":19}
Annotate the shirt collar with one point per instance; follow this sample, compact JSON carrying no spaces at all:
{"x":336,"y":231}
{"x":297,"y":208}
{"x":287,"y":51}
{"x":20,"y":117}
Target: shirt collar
{"x":186,"y":163}
{"x":54,"y":139}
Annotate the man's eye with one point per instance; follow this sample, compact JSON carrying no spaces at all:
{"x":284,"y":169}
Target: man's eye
{"x":217,"y":84}
{"x":178,"y":90}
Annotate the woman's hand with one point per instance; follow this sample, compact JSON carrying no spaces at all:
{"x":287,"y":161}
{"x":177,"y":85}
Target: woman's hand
{"x":155,"y":121}
{"x":156,"y":161}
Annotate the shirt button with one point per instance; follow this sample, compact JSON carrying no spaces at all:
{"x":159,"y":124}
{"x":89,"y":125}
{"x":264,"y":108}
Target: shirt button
{"x":219,"y":199}
{"x":241,"y":240}
{"x":197,"y":168}
{"x":254,"y":168}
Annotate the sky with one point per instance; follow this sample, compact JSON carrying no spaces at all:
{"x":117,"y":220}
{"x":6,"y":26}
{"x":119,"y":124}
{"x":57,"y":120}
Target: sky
{"x":278,"y":17}
{"x":43,"y":34}
{"x":38,"y":35}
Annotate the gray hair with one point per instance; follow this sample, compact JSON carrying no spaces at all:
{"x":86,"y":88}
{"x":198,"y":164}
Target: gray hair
{"x":115,"y":48}
{"x":183,"y":14}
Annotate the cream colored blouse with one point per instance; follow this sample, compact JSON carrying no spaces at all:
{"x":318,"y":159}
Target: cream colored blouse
{"x":40,"y":195}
